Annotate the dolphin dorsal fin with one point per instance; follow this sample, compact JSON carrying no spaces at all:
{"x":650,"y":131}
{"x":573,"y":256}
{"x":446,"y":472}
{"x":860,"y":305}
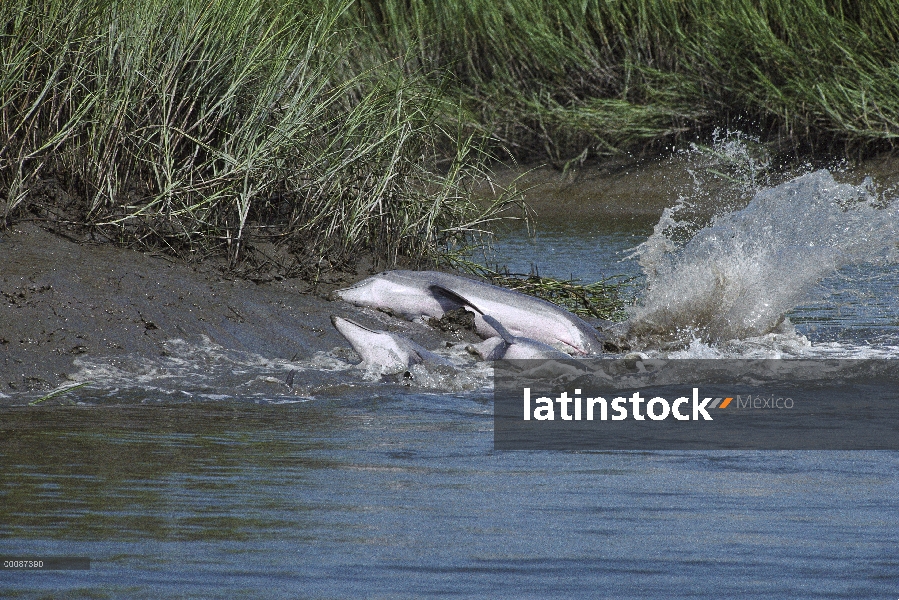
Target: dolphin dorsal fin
{"x":498,"y":327}
{"x":439,"y":290}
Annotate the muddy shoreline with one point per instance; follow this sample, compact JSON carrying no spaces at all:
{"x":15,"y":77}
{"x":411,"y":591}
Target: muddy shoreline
{"x":63,"y":299}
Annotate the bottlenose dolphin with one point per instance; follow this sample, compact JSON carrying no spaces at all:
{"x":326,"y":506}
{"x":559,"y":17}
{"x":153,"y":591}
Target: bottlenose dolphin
{"x":509,"y":347}
{"x":383,"y":352}
{"x":415,"y":294}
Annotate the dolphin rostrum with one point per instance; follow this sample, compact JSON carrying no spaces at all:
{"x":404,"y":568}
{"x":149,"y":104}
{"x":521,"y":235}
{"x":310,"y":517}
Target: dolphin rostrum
{"x":414,"y":294}
{"x":382,"y":352}
{"x":509,"y":347}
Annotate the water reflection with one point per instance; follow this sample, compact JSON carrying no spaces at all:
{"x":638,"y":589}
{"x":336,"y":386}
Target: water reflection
{"x":163,"y":472}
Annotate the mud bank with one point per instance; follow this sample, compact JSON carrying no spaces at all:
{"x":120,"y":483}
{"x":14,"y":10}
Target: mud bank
{"x":63,"y":301}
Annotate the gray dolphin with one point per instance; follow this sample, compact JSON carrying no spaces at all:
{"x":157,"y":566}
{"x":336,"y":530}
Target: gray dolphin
{"x":414,"y":294}
{"x":383,"y":352}
{"x":509,"y":347}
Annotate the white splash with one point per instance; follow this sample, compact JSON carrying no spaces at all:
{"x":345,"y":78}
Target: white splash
{"x":203,"y":369}
{"x":738,"y":277}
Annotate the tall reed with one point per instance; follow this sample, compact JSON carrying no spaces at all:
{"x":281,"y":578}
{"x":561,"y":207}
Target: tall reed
{"x":565,"y":79}
{"x":204,"y":124}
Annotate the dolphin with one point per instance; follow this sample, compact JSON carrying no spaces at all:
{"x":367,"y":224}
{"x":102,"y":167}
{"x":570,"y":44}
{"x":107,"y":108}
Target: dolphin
{"x":415,"y":294}
{"x":509,"y":347}
{"x":382,"y":352}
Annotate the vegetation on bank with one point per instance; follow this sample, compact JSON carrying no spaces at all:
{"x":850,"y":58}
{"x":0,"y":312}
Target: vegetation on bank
{"x":260,"y":129}
{"x":301,"y":134}
{"x":573,"y":79}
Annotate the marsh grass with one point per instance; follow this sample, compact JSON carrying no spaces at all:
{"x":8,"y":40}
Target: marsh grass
{"x":571,"y":79}
{"x":216,"y":126}
{"x":601,"y":299}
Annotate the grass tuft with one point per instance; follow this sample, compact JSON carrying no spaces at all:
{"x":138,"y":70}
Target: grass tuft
{"x":600,"y":299}
{"x":58,"y":392}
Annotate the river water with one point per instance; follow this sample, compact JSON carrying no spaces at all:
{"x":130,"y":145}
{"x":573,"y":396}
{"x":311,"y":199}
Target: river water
{"x":367,"y":489}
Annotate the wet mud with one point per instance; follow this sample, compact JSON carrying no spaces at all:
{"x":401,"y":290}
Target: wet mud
{"x":63,"y":300}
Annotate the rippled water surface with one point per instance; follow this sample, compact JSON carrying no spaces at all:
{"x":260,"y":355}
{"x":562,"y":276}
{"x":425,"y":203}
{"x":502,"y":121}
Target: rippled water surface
{"x":381,"y":491}
{"x":403,"y":496}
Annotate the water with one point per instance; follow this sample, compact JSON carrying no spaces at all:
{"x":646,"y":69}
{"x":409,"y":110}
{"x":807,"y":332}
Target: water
{"x":403,"y":496}
{"x":180,"y":486}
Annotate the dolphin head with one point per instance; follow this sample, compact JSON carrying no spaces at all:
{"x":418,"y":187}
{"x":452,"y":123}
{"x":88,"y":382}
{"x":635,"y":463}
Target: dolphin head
{"x":381,"y":352}
{"x":363,"y":293}
{"x":357,"y":335}
{"x":396,"y":293}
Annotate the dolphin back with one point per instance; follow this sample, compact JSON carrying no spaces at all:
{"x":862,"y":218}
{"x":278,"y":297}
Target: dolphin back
{"x":520,"y":314}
